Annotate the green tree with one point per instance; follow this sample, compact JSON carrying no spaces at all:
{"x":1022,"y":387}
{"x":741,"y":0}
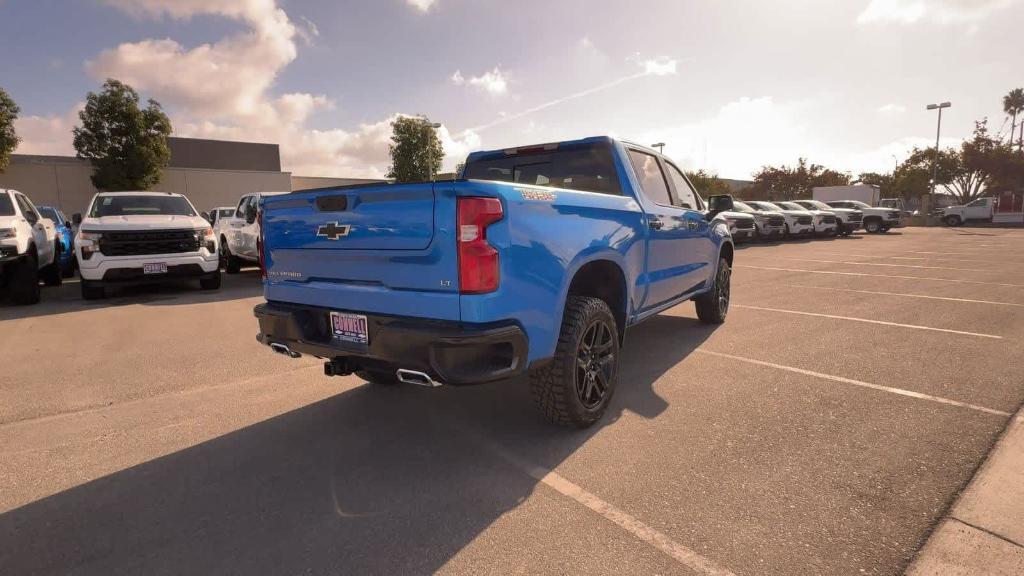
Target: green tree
{"x":708,"y":183}
{"x":1013,"y":105}
{"x":126,"y":144}
{"x":793,"y":183}
{"x":8,"y":138}
{"x":416,"y":151}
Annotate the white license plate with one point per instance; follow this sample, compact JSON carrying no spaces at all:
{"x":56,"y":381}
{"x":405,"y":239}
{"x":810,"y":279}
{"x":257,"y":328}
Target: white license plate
{"x":350,"y":327}
{"x":156,"y":268}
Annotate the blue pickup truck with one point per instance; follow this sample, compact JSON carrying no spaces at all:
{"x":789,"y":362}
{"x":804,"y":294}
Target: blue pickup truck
{"x":535,"y":261}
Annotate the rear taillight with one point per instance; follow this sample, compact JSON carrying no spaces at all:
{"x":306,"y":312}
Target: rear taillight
{"x":259,"y":246}
{"x":478,"y":260}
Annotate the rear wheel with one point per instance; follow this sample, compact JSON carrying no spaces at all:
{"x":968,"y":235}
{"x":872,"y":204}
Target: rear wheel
{"x":953,"y":220}
{"x":574,"y":389}
{"x":713,"y":305}
{"x":24,"y":282}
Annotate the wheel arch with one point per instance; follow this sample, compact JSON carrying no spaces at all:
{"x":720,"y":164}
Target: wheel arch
{"x":604,"y":279}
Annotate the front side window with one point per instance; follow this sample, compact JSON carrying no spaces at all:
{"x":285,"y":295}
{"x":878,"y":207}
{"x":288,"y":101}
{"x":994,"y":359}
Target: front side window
{"x":27,"y":210}
{"x":652,"y":180}
{"x":240,"y":211}
{"x":141,"y":205}
{"x":225,"y":212}
{"x":687,"y":196}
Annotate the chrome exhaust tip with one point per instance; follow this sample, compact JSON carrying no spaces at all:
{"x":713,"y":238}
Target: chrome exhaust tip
{"x":282,"y":349}
{"x":415,"y":377}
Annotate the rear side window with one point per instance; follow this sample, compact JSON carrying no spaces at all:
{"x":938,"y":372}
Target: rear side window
{"x":652,"y":180}
{"x":589,"y":168}
{"x":6,"y":206}
{"x":27,"y":210}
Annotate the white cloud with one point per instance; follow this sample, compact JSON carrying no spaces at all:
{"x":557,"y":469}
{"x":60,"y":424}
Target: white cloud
{"x":223,"y":90}
{"x":492,"y":81}
{"x":659,"y":67}
{"x":892,"y":108}
{"x":49,"y":135}
{"x":421,"y":5}
{"x":939,"y":11}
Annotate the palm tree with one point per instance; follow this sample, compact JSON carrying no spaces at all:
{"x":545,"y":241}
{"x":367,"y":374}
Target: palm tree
{"x":1013,"y":104}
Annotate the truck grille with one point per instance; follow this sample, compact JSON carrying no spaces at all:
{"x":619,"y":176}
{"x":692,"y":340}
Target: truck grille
{"x":745,"y":224}
{"x":776,"y":221}
{"x":804,"y":219}
{"x":828,"y":219}
{"x":6,"y":251}
{"x":149,"y":242}
{"x":856,"y":216}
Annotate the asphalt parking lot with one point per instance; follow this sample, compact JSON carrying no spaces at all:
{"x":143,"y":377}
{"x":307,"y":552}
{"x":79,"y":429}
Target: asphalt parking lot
{"x":856,"y":386}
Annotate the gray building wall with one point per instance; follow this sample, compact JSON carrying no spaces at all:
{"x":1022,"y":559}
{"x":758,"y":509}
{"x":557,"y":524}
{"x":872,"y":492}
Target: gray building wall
{"x":64,"y":182}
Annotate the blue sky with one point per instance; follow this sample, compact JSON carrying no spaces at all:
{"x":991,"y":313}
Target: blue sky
{"x":728,"y":85}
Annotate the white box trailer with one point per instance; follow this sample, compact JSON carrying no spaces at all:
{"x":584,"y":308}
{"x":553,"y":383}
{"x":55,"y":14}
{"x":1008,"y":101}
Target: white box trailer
{"x":865,"y":193}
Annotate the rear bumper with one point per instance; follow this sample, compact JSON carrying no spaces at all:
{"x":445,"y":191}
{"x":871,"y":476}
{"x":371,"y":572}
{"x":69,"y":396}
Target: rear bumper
{"x":449,"y":352}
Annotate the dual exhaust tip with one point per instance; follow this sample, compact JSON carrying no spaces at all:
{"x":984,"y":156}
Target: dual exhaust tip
{"x":330,"y":369}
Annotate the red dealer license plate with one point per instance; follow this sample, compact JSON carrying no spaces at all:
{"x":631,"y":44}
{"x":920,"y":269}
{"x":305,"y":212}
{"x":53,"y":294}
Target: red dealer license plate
{"x":350,"y":327}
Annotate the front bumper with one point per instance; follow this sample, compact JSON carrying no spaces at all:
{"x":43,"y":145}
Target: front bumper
{"x":825,"y":227}
{"x":796,"y":229}
{"x":742,"y":234}
{"x":128,"y":269}
{"x":449,"y":352}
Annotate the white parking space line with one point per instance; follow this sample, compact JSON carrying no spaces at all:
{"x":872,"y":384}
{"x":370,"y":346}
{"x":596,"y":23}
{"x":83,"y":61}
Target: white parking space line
{"x":868,"y":321}
{"x":840,"y":379}
{"x":885,"y":264}
{"x":946,"y":298}
{"x":624,"y":520}
{"x":954,"y":280}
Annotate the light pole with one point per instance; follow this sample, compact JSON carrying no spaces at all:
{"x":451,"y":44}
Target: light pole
{"x":430,"y":149}
{"x":935,"y":164}
{"x":660,"y":146}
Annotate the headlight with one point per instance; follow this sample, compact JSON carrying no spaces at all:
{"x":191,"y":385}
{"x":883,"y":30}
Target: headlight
{"x":760,"y":219}
{"x":8,"y":233}
{"x":90,"y":243}
{"x":206,"y":239}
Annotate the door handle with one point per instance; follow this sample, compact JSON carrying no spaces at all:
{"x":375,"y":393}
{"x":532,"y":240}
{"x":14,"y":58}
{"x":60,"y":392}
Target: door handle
{"x":655,"y":224}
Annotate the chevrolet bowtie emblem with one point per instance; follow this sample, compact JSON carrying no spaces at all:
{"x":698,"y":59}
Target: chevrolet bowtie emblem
{"x":332,"y":231}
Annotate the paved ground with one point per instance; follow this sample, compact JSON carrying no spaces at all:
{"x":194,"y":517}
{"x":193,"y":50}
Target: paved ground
{"x":825,"y":428}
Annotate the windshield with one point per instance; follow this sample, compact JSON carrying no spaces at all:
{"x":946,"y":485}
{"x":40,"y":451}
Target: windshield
{"x":858,"y":203}
{"x":50,"y":213}
{"x":6,"y":206}
{"x":793,"y":206}
{"x":818,"y":205}
{"x":141,"y":205}
{"x":766,"y":206}
{"x":589,"y":168}
{"x":741,"y":207}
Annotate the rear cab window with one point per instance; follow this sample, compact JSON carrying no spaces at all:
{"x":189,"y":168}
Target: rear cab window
{"x":586,"y":167}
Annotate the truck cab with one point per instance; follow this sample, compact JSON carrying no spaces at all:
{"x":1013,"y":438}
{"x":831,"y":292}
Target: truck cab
{"x":240,"y":231}
{"x":535,"y":262}
{"x":979,"y":209}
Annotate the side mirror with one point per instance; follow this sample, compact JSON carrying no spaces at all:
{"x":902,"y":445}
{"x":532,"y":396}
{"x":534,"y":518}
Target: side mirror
{"x":76,"y":218}
{"x":720,"y":203}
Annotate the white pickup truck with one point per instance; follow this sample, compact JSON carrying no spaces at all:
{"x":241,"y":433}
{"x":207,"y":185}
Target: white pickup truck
{"x":980,"y":209}
{"x":240,"y":232}
{"x":876,"y":220}
{"x":29,"y":249}
{"x":142,"y":237}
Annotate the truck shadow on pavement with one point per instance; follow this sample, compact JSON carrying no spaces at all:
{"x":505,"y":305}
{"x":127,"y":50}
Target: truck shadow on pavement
{"x":383,"y":480}
{"x":67,"y":297}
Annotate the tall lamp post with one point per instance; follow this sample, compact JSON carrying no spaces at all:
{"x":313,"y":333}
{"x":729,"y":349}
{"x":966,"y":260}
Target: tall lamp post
{"x":935,"y":163}
{"x":430,"y":149}
{"x":660,"y":146}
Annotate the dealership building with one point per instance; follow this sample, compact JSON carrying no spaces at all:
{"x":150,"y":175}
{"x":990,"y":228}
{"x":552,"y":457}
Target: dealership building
{"x":210,"y":172}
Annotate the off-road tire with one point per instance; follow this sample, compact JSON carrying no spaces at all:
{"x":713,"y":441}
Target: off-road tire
{"x":554,"y":386}
{"x":232,"y":265}
{"x":24,"y":282}
{"x":378,"y":378}
{"x":211,"y":283}
{"x":51,"y":274}
{"x":91,"y":291}
{"x":713,"y":305}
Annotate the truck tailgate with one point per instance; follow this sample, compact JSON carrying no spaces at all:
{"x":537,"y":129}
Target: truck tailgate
{"x":385,"y":248}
